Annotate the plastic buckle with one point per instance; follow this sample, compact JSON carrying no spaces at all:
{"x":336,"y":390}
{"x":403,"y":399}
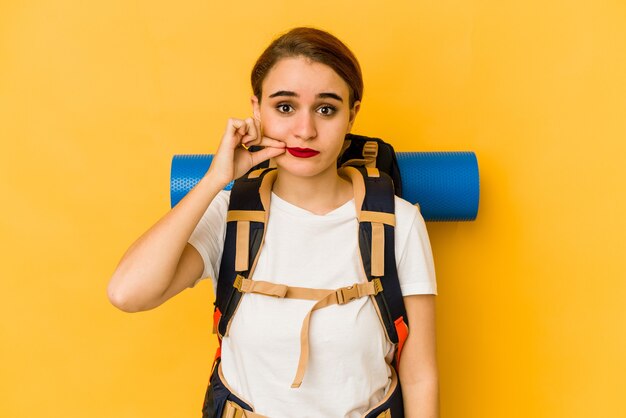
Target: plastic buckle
{"x":370,"y":150}
{"x":347,"y":294}
{"x":238,"y":282}
{"x":378,"y":286}
{"x":232,"y":410}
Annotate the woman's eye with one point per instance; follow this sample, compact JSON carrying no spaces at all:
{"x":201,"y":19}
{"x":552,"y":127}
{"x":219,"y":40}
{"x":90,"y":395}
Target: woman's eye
{"x":326,"y":110}
{"x":284,"y":108}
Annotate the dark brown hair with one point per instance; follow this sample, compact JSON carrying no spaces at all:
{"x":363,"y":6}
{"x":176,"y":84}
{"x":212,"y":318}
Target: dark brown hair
{"x":316,"y":45}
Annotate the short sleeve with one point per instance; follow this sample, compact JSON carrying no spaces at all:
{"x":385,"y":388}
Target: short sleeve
{"x":414,"y":258}
{"x":208,"y":236}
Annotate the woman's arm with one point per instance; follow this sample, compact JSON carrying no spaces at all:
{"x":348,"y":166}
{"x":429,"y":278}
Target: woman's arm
{"x":161,"y":263}
{"x":418,"y":364}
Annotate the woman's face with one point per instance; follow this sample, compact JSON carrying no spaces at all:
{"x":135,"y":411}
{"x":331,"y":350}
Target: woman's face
{"x":306,"y":105}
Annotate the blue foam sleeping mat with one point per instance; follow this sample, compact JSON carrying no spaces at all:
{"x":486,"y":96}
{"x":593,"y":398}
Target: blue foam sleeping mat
{"x":445,"y":185}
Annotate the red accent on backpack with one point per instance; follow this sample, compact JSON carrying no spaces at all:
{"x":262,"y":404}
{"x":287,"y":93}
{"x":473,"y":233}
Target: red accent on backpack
{"x":403,"y":332}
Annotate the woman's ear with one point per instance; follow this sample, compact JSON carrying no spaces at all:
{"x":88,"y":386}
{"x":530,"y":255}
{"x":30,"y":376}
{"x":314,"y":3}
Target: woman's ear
{"x":353,"y":113}
{"x":256,"y":107}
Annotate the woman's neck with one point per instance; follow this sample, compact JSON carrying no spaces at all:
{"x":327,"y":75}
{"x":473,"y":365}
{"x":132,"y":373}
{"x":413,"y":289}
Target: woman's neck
{"x":318,"y":194}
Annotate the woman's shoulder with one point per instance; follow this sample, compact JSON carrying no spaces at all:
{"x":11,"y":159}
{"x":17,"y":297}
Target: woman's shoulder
{"x":223,"y":197}
{"x":409,"y":219}
{"x":405,"y":210}
{"x":218,"y":208}
{"x":221,"y":200}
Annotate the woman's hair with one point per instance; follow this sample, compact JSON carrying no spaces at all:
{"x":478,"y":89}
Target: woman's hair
{"x":316,"y":45}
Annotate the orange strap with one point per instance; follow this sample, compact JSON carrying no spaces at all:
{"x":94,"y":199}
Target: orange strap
{"x":324,"y":298}
{"x":218,"y":353}
{"x":217,"y":315}
{"x":403,"y":332}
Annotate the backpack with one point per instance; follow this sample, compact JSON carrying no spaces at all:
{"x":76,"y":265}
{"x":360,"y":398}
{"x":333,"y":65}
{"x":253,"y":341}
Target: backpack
{"x":371,"y":165}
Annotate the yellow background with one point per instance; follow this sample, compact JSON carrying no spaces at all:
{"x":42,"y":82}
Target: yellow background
{"x":96,"y":97}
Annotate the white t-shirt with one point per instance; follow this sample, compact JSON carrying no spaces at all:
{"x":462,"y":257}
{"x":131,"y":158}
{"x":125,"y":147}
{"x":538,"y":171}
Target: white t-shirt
{"x":347,"y":372}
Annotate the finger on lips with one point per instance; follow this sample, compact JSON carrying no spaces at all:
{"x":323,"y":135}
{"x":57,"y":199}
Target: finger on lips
{"x":272,"y":142}
{"x":250,"y":133}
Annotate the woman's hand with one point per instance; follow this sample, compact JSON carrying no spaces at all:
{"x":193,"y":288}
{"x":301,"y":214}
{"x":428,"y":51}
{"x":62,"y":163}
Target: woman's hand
{"x":232,"y":159}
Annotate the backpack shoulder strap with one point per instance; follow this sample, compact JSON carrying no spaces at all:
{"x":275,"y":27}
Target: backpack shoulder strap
{"x":248,"y":211}
{"x":375,"y":205}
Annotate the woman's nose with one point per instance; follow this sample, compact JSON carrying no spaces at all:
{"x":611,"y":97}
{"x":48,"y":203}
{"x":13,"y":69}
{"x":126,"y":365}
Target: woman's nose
{"x":305,"y":126}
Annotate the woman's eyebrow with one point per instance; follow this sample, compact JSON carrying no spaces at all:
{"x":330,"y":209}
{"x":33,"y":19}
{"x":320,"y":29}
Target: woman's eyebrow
{"x":330,"y":96}
{"x":286,"y":93}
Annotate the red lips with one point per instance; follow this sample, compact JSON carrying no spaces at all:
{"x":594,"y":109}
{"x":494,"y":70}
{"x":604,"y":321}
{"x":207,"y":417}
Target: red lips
{"x":302,"y":152}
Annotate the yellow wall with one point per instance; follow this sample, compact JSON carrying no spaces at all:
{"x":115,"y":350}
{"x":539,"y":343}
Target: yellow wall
{"x":96,"y":97}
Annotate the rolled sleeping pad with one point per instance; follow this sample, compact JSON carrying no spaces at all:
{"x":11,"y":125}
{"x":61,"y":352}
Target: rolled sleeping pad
{"x":445,"y":185}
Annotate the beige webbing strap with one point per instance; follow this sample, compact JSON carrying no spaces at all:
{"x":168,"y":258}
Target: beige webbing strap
{"x":378,"y":249}
{"x":265,"y":191}
{"x":358,"y":186}
{"x":233,"y":410}
{"x":372,"y":171}
{"x":339,"y":296}
{"x":380,"y":217}
{"x":261,"y":287}
{"x":257,"y":173}
{"x":245,"y":215}
{"x":278,"y":290}
{"x":324,"y":298}
{"x":370,"y":152}
{"x":242,"y":246}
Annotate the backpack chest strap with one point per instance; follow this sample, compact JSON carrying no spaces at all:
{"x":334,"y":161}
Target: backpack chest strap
{"x":324,"y":298}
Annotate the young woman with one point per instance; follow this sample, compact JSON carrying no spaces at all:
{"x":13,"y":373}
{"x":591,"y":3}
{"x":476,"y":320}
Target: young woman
{"x":307,"y":89}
